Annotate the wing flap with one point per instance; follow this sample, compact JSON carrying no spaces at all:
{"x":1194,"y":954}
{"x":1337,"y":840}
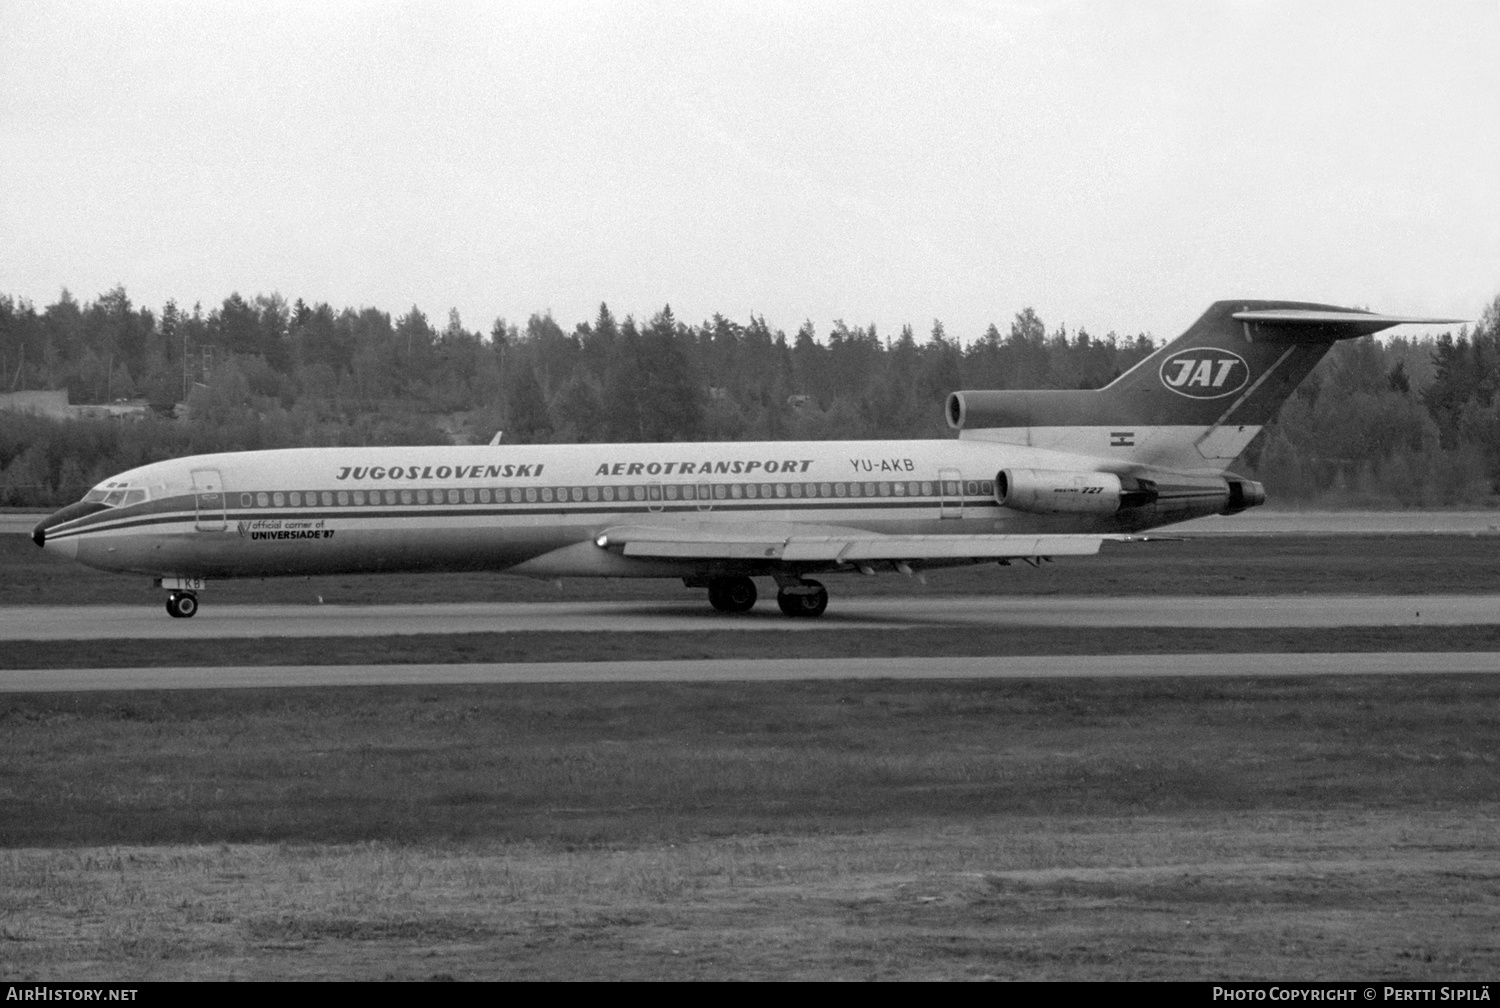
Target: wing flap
{"x":702,"y":549}
{"x":923,"y":547}
{"x":795,"y":548}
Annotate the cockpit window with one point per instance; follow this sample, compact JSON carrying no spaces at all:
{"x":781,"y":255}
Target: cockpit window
{"x":115,"y":495}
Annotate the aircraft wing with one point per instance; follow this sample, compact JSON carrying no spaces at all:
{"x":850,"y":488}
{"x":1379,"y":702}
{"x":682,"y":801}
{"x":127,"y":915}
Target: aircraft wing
{"x":814,"y":544}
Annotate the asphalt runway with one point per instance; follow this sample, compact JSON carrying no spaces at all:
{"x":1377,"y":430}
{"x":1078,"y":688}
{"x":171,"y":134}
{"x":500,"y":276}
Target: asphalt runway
{"x":44,"y":623}
{"x":752,"y":670}
{"x":252,"y":621}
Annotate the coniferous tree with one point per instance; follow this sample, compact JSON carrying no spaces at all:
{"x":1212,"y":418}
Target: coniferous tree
{"x":671,"y":404}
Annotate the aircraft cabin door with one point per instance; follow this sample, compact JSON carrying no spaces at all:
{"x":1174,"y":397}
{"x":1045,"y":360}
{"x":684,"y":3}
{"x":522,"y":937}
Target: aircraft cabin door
{"x":208,"y":492}
{"x":705,"y":497}
{"x":950,"y":493}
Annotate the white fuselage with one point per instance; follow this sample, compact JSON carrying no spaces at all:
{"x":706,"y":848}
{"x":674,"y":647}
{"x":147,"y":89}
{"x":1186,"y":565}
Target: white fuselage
{"x":527,"y":508}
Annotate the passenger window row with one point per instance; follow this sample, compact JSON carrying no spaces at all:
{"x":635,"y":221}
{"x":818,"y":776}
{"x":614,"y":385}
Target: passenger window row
{"x":650,"y":493}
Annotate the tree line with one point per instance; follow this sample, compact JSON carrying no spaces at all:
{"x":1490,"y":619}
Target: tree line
{"x":1394,"y":422}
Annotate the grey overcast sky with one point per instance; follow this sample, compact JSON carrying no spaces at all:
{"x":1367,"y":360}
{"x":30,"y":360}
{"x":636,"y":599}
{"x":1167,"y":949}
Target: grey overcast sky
{"x":1114,"y":165}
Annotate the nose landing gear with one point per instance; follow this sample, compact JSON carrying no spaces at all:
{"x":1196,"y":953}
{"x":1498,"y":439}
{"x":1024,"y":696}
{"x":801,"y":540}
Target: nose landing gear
{"x":181,"y":604}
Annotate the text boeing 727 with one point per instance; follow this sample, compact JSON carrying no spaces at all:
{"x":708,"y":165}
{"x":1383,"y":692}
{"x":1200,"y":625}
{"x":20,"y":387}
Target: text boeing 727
{"x":1031,"y":474}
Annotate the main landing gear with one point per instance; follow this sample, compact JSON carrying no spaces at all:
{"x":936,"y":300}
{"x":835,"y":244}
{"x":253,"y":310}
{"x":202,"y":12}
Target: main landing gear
{"x":805,"y":598}
{"x":181,"y":604}
{"x":732,"y":594}
{"x":795,"y":598}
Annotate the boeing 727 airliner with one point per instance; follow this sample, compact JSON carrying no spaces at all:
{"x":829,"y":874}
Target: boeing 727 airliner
{"x":1031,"y":475}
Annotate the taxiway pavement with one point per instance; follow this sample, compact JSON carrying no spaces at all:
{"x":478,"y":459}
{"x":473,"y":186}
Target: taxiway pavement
{"x":105,"y":622}
{"x":752,"y":670}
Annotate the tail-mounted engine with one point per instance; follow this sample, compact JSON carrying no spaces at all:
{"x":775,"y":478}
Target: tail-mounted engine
{"x":1051,"y":491}
{"x":1243,"y":494}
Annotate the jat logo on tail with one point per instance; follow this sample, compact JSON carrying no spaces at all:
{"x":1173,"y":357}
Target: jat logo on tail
{"x":1205,"y":373}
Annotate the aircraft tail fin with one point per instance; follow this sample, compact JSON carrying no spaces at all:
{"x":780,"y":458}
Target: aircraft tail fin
{"x":1195,"y":403}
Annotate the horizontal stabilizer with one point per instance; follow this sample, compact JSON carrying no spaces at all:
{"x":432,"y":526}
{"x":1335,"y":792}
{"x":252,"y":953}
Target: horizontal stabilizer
{"x":1330,"y":324}
{"x":1293,"y":316}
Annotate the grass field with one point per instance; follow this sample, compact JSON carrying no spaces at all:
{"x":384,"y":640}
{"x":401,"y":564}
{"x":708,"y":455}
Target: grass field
{"x":1329,"y":828}
{"x":1335,"y":895}
{"x":537,"y":646}
{"x":1105,"y":828}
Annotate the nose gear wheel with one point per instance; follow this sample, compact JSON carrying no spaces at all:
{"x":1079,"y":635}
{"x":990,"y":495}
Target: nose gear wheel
{"x":181,"y":604}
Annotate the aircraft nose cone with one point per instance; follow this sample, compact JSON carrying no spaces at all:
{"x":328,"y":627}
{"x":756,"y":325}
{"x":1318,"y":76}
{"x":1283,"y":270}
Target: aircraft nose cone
{"x":67,"y":546}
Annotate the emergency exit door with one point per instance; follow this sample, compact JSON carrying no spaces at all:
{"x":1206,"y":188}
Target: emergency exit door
{"x":950,"y":493}
{"x":208,"y":493}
